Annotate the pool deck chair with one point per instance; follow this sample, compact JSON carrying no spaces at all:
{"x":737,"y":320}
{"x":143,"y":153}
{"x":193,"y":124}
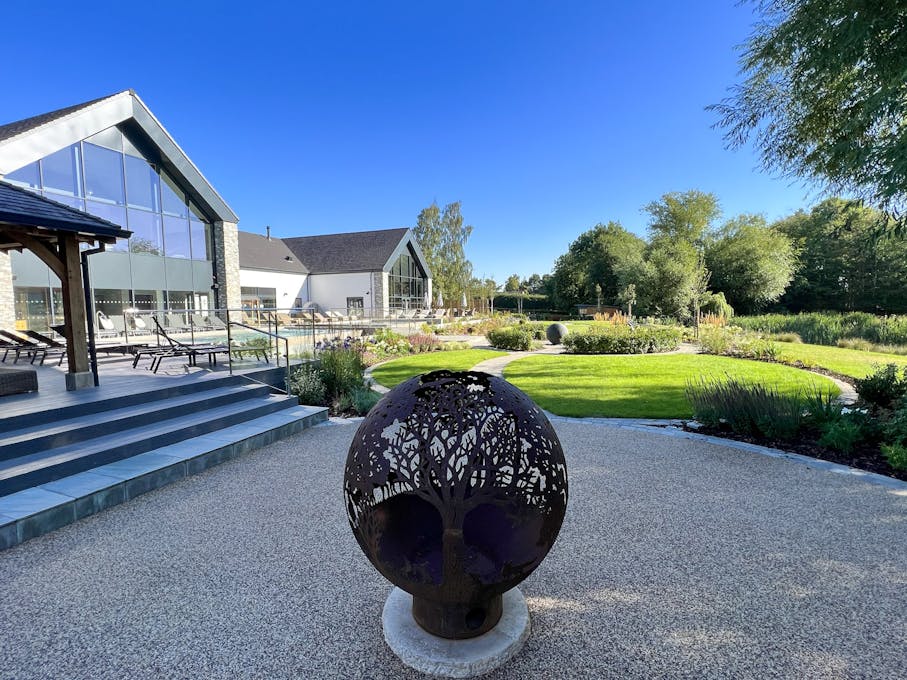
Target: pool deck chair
{"x":175,"y":348}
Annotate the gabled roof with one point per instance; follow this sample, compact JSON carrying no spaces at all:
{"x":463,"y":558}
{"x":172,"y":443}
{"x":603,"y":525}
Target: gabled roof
{"x":27,"y":140}
{"x":21,"y":126}
{"x":260,"y":252}
{"x":351,"y":252}
{"x":22,"y":208}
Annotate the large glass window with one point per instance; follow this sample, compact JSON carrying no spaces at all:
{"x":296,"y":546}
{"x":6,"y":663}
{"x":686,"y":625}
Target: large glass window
{"x":107,"y":175}
{"x":173,"y":199}
{"x":143,"y":186}
{"x":111,"y":213}
{"x":147,"y":237}
{"x":104,"y":174}
{"x":62,"y":172}
{"x":406,"y":283}
{"x":28,"y":177}
{"x":176,"y":237}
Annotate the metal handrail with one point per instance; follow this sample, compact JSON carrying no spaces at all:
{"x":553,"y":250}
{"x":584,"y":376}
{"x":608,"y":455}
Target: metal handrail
{"x":275,"y":336}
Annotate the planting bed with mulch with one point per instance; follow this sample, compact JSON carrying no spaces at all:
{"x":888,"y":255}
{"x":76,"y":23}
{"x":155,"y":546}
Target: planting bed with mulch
{"x":864,"y":456}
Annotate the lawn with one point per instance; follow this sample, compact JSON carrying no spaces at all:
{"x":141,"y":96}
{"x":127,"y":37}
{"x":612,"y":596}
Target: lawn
{"x":398,"y":370}
{"x":644,"y":386}
{"x":850,"y":362}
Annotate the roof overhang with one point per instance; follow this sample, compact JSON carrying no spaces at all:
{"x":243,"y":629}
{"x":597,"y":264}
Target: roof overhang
{"x":43,"y":140}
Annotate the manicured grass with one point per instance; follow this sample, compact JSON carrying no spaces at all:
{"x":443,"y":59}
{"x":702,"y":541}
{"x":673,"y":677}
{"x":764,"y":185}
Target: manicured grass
{"x":398,"y":370}
{"x":851,"y":362}
{"x":644,"y":386}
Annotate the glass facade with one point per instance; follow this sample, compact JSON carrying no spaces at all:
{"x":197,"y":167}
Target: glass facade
{"x":106,"y":175}
{"x":406,"y":283}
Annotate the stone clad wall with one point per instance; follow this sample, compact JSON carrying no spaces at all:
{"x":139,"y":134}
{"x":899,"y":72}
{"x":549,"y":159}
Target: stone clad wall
{"x":7,"y":301}
{"x":380,"y":293}
{"x":226,"y":241}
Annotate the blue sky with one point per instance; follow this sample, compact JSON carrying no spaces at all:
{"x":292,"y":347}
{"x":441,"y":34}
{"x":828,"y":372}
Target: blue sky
{"x":543,"y":118}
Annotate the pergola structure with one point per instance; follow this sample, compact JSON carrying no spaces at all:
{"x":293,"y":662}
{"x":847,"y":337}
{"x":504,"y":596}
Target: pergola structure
{"x":55,"y":233}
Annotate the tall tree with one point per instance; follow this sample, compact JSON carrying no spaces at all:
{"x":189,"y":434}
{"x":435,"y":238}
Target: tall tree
{"x":671,"y":279}
{"x":512,"y":284}
{"x":824,"y":97}
{"x":750,"y":263}
{"x":442,"y":237}
{"x":843,"y":265}
{"x":533,"y":284}
{"x":682,"y":216}
{"x":607,"y":255}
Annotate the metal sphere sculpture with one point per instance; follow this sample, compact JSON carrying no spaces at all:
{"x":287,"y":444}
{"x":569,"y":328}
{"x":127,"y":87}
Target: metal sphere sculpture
{"x":456,"y":488}
{"x":556,"y":333}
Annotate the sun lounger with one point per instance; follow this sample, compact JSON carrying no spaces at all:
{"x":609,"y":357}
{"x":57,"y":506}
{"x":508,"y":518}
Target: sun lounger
{"x":176,"y":348}
{"x":174,"y":323}
{"x":105,"y":327}
{"x":216,"y":323}
{"x":20,"y":343}
{"x":200,"y":323}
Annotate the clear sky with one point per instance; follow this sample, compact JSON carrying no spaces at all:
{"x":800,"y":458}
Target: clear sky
{"x":543,"y":118}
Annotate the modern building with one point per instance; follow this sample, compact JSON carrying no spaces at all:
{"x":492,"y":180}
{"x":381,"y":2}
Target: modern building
{"x":369,"y":273}
{"x":112,"y":158}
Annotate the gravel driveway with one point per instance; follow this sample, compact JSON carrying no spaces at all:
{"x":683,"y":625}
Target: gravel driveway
{"x":677,"y":559}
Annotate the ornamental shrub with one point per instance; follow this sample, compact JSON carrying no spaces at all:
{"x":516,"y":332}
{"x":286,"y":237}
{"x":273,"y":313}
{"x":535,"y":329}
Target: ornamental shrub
{"x":514,"y":338}
{"x":732,"y":341}
{"x":896,"y":455}
{"x":607,"y":339}
{"x":341,"y":370}
{"x":423,"y":343}
{"x":307,"y":384}
{"x":882,"y":387}
{"x":842,"y":434}
{"x":750,"y":409}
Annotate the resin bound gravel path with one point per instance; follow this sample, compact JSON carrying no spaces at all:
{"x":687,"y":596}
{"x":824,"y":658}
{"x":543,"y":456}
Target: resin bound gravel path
{"x":677,"y":559}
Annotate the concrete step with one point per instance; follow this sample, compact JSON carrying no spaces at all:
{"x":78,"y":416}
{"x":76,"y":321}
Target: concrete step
{"x":83,"y":404}
{"x":50,"y":505}
{"x":58,"y":433}
{"x":41,"y":467}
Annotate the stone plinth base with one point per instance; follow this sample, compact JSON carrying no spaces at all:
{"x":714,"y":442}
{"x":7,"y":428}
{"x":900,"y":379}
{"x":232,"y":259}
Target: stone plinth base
{"x":454,"y":658}
{"x":79,"y":381}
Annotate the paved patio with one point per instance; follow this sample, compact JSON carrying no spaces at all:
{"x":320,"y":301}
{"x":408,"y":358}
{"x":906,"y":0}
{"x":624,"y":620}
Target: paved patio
{"x":677,"y":558}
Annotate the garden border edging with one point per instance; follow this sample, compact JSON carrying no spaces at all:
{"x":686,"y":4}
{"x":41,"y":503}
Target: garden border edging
{"x":670,"y":428}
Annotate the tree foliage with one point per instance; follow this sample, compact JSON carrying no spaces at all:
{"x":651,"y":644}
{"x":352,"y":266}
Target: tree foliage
{"x":442,"y":237}
{"x":512,"y":284}
{"x":607,"y":255}
{"x":682,"y":216}
{"x":842,"y":266}
{"x":824,"y":96}
{"x":750,"y":263}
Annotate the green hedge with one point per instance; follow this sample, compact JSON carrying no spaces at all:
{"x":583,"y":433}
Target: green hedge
{"x":514,"y":338}
{"x":531,"y":301}
{"x":623,"y":340}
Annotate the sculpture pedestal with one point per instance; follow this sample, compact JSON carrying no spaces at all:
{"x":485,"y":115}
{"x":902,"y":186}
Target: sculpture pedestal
{"x":454,"y":658}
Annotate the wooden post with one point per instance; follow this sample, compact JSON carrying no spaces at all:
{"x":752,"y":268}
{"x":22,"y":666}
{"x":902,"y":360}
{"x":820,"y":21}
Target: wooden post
{"x":73,"y":305}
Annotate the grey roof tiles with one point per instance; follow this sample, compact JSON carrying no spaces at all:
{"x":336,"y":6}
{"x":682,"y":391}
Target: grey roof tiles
{"x":23,"y":207}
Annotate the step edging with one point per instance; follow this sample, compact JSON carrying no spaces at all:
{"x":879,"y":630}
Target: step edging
{"x":46,"y":507}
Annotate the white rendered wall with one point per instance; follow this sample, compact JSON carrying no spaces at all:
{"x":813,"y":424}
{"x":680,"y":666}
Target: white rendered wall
{"x":331,"y":291}
{"x":288,"y":286}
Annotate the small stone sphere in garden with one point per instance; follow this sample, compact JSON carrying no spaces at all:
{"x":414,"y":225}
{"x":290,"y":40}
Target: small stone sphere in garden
{"x":456,"y":488}
{"x":556,"y":333}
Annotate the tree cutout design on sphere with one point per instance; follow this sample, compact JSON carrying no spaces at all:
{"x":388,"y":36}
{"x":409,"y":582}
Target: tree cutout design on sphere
{"x":456,"y":488}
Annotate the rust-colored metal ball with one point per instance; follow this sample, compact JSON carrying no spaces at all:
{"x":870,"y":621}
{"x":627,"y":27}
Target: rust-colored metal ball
{"x":456,"y":488}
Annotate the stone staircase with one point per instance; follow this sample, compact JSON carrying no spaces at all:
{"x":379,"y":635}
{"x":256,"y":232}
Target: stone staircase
{"x":63,"y":463}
